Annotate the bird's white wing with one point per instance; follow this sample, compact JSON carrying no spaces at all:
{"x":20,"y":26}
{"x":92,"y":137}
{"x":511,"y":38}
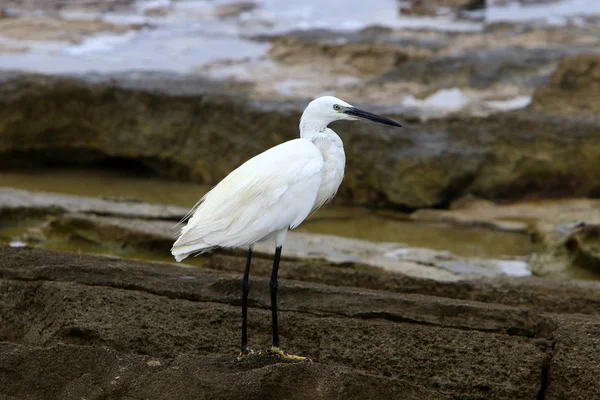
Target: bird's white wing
{"x":270,"y":192}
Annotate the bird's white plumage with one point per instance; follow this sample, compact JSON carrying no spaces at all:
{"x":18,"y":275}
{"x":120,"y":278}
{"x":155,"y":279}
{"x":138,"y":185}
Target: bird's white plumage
{"x":271,"y":192}
{"x":277,"y":189}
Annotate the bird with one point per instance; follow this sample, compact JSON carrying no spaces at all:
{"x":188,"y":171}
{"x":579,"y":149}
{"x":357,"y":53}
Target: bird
{"x":271,"y":193}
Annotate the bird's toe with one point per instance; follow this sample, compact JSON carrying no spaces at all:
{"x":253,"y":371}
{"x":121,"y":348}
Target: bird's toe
{"x":285,"y":355}
{"x":244,"y":354}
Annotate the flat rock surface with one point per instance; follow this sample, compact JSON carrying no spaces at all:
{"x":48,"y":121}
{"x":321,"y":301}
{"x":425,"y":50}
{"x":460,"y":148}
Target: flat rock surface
{"x":73,"y":372}
{"x":118,"y":225}
{"x":15,"y":199}
{"x":132,"y":329}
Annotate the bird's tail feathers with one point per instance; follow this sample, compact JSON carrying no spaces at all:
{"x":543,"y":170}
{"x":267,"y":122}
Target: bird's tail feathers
{"x":176,"y":229}
{"x":182,"y":252}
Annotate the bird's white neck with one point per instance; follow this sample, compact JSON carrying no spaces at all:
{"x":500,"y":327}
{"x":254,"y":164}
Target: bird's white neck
{"x":310,"y":127}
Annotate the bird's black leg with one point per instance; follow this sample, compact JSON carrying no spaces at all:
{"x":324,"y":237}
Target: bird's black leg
{"x":245,"y":290}
{"x":273,"y":288}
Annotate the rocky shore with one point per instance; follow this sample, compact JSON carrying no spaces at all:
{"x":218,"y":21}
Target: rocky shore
{"x":192,"y":129}
{"x":499,"y":150}
{"x":100,"y":327}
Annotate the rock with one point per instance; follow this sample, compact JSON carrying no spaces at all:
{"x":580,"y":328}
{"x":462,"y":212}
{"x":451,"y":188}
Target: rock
{"x":78,"y":325}
{"x":524,"y":2}
{"x":63,"y":305}
{"x":573,"y":89}
{"x":71,"y":372}
{"x":583,"y":245}
{"x":14,"y":201}
{"x":481,"y":68}
{"x":234,"y":9}
{"x":502,"y":62}
{"x":124,"y":227}
{"x":573,"y":368}
{"x":48,"y":6}
{"x":185,"y":128}
{"x":349,"y":58}
{"x":428,"y":7}
{"x":544,"y":295}
{"x":55,"y":29}
{"x":127,"y":235}
{"x":565,"y":231}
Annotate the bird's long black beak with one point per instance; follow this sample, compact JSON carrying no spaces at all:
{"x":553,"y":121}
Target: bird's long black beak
{"x":370,"y":116}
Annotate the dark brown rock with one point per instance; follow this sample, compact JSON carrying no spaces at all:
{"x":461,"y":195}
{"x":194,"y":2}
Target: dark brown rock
{"x":180,"y":324}
{"x":75,"y":372}
{"x":573,"y":369}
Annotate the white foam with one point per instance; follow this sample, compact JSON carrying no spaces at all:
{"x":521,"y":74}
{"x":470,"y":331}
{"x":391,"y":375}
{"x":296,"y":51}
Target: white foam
{"x":288,"y":86}
{"x":17,"y":243}
{"x":509,"y":104}
{"x":101,"y":43}
{"x":348,"y":15}
{"x":445,"y":99}
{"x":514,"y":267}
{"x":552,"y":13}
{"x":149,"y":5}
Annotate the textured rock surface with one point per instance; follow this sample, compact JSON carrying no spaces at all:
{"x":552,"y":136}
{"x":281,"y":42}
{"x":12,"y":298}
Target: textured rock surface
{"x":574,"y":88}
{"x":565,"y":231}
{"x":424,"y":7}
{"x":350,"y":58}
{"x":175,"y":324}
{"x":190,"y":129}
{"x":74,"y":372}
{"x":573,"y":369}
{"x":125,"y":227}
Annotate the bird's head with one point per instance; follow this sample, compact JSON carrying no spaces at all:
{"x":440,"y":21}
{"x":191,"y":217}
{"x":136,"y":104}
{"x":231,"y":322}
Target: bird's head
{"x":322,"y":111}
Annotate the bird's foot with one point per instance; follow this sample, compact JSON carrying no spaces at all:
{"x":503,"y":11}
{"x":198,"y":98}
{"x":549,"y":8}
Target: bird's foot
{"x":244,"y":354}
{"x":280,"y":353}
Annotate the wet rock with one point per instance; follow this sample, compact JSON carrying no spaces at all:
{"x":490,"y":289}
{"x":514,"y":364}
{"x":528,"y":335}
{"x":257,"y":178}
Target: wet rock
{"x":124,"y":227}
{"x":573,"y":89}
{"x":565,"y":231}
{"x":133,"y":236}
{"x":186,"y":128}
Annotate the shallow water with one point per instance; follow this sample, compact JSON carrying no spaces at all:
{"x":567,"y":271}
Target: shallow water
{"x":353,"y":222}
{"x":105,"y":183}
{"x":460,"y":240}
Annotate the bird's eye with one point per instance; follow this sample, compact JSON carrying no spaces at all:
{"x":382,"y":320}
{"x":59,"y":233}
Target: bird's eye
{"x":337,"y":107}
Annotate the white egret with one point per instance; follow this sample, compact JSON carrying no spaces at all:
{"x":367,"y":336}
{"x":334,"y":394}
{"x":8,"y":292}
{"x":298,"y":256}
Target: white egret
{"x":271,"y":193}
